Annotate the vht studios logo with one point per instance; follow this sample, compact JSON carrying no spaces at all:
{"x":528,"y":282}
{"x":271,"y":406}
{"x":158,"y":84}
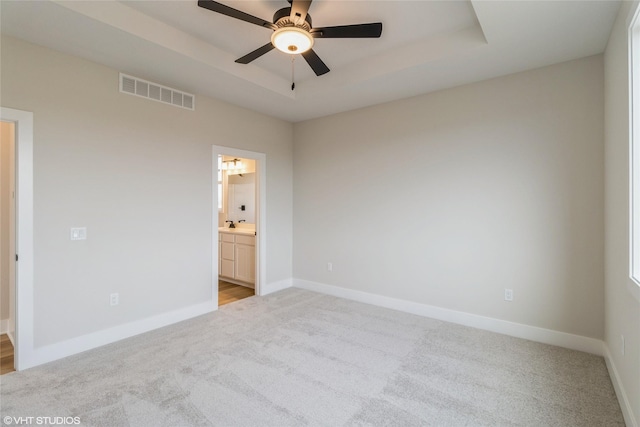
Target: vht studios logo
{"x":51,"y":421}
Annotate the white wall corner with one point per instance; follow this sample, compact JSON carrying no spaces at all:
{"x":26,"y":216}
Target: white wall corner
{"x":49,"y":353}
{"x":518,"y":330}
{"x":272,"y":287}
{"x":625,"y":405}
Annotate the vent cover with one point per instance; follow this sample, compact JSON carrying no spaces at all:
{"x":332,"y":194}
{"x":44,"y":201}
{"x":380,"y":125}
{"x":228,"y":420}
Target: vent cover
{"x":156,"y":92}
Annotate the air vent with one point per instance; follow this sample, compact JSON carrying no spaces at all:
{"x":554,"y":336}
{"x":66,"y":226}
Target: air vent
{"x":156,"y":92}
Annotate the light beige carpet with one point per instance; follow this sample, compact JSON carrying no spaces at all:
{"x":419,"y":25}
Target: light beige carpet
{"x":301,"y":358}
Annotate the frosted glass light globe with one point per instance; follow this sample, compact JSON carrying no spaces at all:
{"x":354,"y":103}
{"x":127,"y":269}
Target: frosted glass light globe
{"x":292,"y":40}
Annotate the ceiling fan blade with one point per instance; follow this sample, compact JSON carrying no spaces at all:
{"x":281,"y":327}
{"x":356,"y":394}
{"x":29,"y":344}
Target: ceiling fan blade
{"x":373,"y":30}
{"x":255,"y":54}
{"x":299,"y":9}
{"x":315,"y":62}
{"x":234,"y":13}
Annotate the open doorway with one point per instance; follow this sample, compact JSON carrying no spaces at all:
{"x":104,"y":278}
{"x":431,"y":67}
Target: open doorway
{"x":25,"y":354}
{"x":7,"y":246}
{"x":238,"y":224}
{"x":236,"y":228}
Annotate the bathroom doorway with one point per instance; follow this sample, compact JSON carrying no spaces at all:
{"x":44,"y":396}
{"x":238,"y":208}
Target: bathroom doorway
{"x":20,"y":327}
{"x":7,"y":246}
{"x":238,"y":224}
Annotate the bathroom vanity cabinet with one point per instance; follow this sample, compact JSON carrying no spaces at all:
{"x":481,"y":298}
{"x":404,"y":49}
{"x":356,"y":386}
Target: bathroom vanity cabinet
{"x":237,"y":257}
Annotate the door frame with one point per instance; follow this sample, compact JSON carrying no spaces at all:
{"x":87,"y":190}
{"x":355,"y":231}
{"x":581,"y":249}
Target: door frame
{"x":261,"y":215}
{"x":23,"y":158}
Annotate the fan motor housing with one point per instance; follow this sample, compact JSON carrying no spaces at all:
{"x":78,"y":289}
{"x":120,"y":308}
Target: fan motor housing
{"x":282,"y":18}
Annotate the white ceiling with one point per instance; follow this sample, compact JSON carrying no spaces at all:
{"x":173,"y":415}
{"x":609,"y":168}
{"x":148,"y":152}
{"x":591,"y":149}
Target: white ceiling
{"x":425,"y":46}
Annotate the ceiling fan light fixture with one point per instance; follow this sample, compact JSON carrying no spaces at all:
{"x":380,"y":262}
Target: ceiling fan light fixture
{"x":292,"y":40}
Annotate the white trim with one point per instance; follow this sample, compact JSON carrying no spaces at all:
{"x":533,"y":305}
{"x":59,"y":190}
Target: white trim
{"x":272,"y":287}
{"x":4,"y":326}
{"x":633,"y":11}
{"x":93,"y":340}
{"x":261,"y":218}
{"x":633,"y":30}
{"x":240,"y":283}
{"x":214,"y":227}
{"x":533,"y":333}
{"x":24,"y":343}
{"x":625,"y":405}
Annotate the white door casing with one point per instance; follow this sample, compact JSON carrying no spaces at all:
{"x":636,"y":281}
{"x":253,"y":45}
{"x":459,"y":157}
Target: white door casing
{"x":261,"y":216}
{"x":24,"y":315}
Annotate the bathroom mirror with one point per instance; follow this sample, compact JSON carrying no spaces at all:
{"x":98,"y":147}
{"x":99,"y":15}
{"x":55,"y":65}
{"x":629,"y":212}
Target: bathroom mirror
{"x":241,"y":198}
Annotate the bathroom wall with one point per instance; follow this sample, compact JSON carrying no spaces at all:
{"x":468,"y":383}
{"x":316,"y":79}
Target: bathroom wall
{"x":6,"y":152}
{"x":242,"y":192}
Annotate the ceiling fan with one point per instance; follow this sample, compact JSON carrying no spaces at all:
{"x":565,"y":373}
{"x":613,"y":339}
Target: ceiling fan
{"x":293,"y":32}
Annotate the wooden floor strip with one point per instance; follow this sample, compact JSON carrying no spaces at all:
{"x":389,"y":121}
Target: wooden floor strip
{"x":229,"y":292}
{"x":6,"y":355}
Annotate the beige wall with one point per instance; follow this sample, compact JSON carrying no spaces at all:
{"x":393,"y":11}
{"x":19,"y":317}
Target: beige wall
{"x":448,"y":198}
{"x":622,"y":310}
{"x":138,"y":174}
{"x":443,"y":199}
{"x":6,"y":139}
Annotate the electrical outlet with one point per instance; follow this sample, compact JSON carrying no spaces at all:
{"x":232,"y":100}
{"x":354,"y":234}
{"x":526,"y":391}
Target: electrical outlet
{"x":329,"y":266}
{"x":622,"y":344}
{"x":115,"y":299}
{"x":508,"y":294}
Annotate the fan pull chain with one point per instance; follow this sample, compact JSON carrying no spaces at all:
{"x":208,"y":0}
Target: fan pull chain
{"x":293,"y":83}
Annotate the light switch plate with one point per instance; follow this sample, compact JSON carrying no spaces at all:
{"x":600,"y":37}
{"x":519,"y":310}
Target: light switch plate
{"x":79,"y":233}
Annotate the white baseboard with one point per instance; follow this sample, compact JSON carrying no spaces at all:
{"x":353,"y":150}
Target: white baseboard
{"x":270,"y":288}
{"x":237,"y":282}
{"x":56,"y":351}
{"x":625,"y":405}
{"x":533,"y":333}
